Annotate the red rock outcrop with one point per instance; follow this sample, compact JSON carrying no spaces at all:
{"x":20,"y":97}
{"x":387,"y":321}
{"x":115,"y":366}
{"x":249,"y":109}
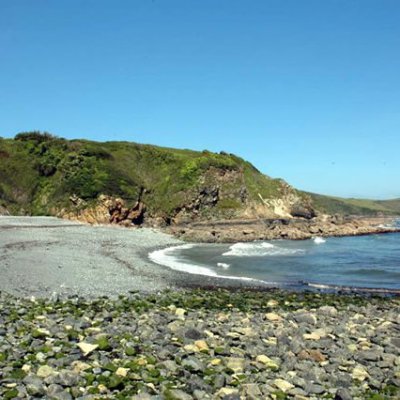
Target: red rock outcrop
{"x":107,"y":210}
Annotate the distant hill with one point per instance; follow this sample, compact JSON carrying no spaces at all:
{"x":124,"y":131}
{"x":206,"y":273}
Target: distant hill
{"x":41,"y":174}
{"x":338,"y":205}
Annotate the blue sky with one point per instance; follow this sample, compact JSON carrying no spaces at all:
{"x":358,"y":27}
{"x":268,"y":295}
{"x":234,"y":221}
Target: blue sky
{"x":306,"y":90}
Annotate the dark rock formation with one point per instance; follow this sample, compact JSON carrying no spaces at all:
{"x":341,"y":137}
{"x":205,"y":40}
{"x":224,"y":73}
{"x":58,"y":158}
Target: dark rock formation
{"x":300,"y":210}
{"x":230,"y":231}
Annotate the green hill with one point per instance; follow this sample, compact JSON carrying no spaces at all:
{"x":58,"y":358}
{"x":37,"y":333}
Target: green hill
{"x":41,"y":174}
{"x":337,"y":205}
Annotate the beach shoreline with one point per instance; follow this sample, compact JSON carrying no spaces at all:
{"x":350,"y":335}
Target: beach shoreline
{"x":128,"y":327}
{"x":248,"y":230}
{"x":49,"y":257}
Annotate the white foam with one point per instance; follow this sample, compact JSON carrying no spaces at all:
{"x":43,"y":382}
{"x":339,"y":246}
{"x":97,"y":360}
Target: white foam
{"x":167,"y":258}
{"x":319,"y":240}
{"x":223,"y":265}
{"x":321,"y":286}
{"x":258,"y":249}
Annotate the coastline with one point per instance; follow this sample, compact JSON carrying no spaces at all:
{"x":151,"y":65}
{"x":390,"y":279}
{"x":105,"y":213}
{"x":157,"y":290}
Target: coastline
{"x":248,"y":230}
{"x":131,"y":329}
{"x":46,"y":257}
{"x":49,"y":257}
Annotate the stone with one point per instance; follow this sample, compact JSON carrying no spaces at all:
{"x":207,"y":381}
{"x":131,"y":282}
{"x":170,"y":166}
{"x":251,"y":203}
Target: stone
{"x":40,"y":357}
{"x":122,"y":372}
{"x":251,"y":391}
{"x":395,"y":342}
{"x":180,"y":313}
{"x":26,"y":368}
{"x":298,"y":393}
{"x":177,"y":394}
{"x":191,"y":348}
{"x":197,"y":383}
{"x":283,"y":385}
{"x":272,"y":303}
{"x":44,"y":371}
{"x":328,"y":310}
{"x":40,"y":333}
{"x":68,"y":378}
{"x":142,"y":396}
{"x":201,"y":345}
{"x":368,"y":355}
{"x":219,"y":381}
{"x":317,"y":356}
{"x":311,"y":336}
{"x":359,"y":373}
{"x":79,"y":366}
{"x":57,"y":392}
{"x":102,"y":388}
{"x":314,"y":388}
{"x":193,"y":334}
{"x":170,"y":365}
{"x":246,"y":331}
{"x":352,"y":347}
{"x":343,"y":394}
{"x":273,"y":317}
{"x":201,"y":395}
{"x":193,"y":364}
{"x":305,"y":318}
{"x":263,"y":359}
{"x":235,"y":364}
{"x":87,"y":348}
{"x":34,"y":385}
{"x":227,"y":391}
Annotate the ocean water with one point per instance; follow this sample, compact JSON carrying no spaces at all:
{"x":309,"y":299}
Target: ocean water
{"x":371,"y":261}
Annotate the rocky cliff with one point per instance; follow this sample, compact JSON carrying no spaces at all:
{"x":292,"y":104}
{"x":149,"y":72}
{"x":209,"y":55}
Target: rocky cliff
{"x":134,"y":184}
{"x":196,"y":195}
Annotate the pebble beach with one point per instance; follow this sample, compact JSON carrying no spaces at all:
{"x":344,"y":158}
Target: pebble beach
{"x":85,"y":315}
{"x":201,"y":344}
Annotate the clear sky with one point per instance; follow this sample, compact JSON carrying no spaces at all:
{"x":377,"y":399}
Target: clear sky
{"x":306,"y":90}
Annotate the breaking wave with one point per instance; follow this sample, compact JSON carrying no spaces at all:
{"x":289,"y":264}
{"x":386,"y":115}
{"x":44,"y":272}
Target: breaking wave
{"x":169,"y":258}
{"x":259,"y":249}
{"x":319,"y":240}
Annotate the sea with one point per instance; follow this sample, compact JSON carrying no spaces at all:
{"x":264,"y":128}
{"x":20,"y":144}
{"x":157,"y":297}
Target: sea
{"x":350,"y":263}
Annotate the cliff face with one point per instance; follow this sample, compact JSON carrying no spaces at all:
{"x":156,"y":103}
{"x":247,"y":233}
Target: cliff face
{"x":131,"y":184}
{"x":134,"y":184}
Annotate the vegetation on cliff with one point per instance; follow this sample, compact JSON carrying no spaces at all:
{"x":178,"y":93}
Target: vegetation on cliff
{"x":338,"y":205}
{"x":41,"y":174}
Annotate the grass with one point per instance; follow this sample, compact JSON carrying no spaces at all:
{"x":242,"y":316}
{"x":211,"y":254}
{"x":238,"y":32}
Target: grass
{"x":337,"y":205}
{"x":39,"y":172}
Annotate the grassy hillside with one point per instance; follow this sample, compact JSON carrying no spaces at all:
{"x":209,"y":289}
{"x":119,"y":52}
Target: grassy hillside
{"x":337,"y":205}
{"x":39,"y":173}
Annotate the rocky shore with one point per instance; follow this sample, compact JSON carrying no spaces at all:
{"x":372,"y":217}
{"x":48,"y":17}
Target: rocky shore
{"x":200,"y":344}
{"x":189,"y":225}
{"x":247,"y":230}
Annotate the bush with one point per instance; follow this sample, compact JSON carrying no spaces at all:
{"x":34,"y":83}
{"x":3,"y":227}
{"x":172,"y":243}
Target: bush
{"x":36,"y":136}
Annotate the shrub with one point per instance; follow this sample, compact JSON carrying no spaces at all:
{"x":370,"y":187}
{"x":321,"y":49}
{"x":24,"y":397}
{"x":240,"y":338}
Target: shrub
{"x":36,"y":136}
